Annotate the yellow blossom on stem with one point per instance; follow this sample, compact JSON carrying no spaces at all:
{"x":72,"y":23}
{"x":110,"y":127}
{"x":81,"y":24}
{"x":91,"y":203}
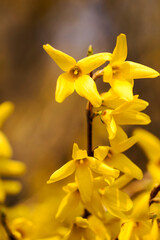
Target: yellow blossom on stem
{"x":136,"y":224}
{"x":114,"y":157}
{"x":83,"y":165}
{"x":128,"y":113}
{"x":71,"y":205}
{"x":120,"y":73}
{"x":81,"y":230}
{"x":76,"y":76}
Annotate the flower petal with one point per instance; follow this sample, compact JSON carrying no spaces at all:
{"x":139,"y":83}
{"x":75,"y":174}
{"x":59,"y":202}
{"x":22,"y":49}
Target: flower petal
{"x":140,"y":71}
{"x":112,"y":128}
{"x":95,"y":206}
{"x":86,"y":87}
{"x":110,"y":99}
{"x":123,"y":88}
{"x":126,"y":144}
{"x":140,"y":207}
{"x":120,"y":51}
{"x":107,"y":77}
{"x":78,"y":153}
{"x":154,"y":170}
{"x":5,"y":148}
{"x":88,"y":64}
{"x":101,"y":152}
{"x":6,"y":108}
{"x":122,"y":181}
{"x":70,"y":204}
{"x":84,"y":181}
{"x":117,"y":199}
{"x":82,"y":222}
{"x":74,"y":233}
{"x":102,"y":168}
{"x":139,"y":104}
{"x":149,"y":143}
{"x":132,"y":118}
{"x":126,"y":231}
{"x":63,"y":172}
{"x":12,"y":187}
{"x":63,"y":60}
{"x":64,"y":87}
{"x":154,"y":234}
{"x":121,"y":142}
{"x":111,"y":125}
{"x":125,"y":165}
{"x":11,"y":167}
{"x":116,"y":213}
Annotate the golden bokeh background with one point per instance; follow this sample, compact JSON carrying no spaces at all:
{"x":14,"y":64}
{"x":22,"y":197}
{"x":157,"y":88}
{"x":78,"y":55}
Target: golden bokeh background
{"x":42,"y":131}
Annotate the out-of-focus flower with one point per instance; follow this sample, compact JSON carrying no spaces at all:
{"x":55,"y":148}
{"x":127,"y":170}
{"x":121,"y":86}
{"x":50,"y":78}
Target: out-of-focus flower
{"x":8,"y":167}
{"x":76,"y":76}
{"x":21,"y":228}
{"x":151,"y":146}
{"x":120,"y":73}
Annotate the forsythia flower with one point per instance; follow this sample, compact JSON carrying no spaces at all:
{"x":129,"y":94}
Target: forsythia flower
{"x":151,"y":146}
{"x":137,"y":224}
{"x":120,"y":73}
{"x":127,"y":113}
{"x":71,"y":205}
{"x":21,"y":228}
{"x":76,"y":77}
{"x":83,"y":165}
{"x":81,"y":230}
{"x":8,"y":167}
{"x":114,"y":157}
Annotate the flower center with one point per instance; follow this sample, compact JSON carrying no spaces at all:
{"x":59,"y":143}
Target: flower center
{"x":76,"y":71}
{"x":83,"y":162}
{"x":115,"y":70}
{"x":109,"y":155}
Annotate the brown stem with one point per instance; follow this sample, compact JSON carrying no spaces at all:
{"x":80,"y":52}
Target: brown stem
{"x":89,"y":128}
{"x":153,"y":194}
{"x":98,"y":74}
{"x":6,"y":227}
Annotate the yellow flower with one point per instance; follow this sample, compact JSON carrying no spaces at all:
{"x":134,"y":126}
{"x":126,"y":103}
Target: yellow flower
{"x":120,"y":73}
{"x":128,"y":113}
{"x":154,"y":233}
{"x":21,"y":228}
{"x":116,"y":201}
{"x":137,"y":224}
{"x":83,"y":165}
{"x":71,"y":205}
{"x":76,"y":77}
{"x":114,"y":157}
{"x":6,"y":108}
{"x":8,"y":167}
{"x":80,"y":230}
{"x":151,"y":146}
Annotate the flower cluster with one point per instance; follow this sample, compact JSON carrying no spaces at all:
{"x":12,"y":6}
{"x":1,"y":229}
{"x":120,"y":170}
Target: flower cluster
{"x":106,"y":196}
{"x":94,"y":198}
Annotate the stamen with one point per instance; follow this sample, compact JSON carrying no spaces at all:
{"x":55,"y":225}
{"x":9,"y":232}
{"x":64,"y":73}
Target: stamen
{"x":76,"y":71}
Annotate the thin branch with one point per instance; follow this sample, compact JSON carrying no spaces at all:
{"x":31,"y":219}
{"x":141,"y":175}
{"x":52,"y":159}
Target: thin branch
{"x":6,"y":227}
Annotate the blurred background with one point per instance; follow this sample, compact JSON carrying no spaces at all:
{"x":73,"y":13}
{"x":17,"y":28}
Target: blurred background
{"x":42,"y":131}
